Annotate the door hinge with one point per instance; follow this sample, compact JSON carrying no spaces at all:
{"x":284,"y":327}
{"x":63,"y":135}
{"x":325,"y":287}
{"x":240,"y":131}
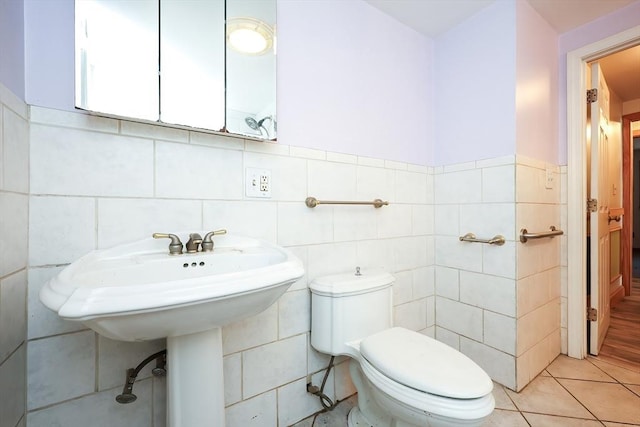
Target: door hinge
{"x":592,"y":314}
{"x":592,"y":205}
{"x":592,"y":95}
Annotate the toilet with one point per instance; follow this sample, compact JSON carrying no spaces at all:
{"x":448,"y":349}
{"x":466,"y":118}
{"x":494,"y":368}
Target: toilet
{"x":403,"y":378}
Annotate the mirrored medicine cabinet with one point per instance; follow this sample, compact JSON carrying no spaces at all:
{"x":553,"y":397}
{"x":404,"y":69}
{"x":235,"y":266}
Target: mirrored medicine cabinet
{"x":208,"y":64}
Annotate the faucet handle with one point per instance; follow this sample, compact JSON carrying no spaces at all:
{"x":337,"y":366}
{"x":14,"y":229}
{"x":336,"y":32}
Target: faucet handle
{"x":207,"y":243}
{"x":175,"y":247}
{"x":194,"y":241}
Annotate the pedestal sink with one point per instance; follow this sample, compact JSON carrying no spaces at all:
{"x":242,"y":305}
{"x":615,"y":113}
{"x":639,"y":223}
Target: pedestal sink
{"x":137,"y":292}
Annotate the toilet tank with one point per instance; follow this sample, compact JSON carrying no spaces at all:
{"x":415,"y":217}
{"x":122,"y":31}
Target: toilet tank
{"x":349,"y":307}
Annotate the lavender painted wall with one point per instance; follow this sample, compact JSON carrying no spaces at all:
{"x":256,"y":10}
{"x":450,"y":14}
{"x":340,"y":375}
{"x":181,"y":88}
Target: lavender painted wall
{"x":11,"y":46}
{"x":350,"y":79}
{"x":536,"y":86}
{"x":475,"y":80}
{"x":49,"y":43}
{"x":606,"y":26}
{"x":353,"y":80}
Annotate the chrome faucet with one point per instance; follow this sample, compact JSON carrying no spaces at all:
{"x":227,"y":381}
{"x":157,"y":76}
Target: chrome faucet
{"x":207,"y":242}
{"x":175,"y":247}
{"x":194,"y":243}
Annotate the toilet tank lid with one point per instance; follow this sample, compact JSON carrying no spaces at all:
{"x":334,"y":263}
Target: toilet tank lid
{"x":338,"y":285}
{"x":424,"y":364}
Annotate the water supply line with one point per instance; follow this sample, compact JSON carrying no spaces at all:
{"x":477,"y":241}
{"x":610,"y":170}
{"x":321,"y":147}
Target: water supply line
{"x":160,"y":370}
{"x":325,"y":401}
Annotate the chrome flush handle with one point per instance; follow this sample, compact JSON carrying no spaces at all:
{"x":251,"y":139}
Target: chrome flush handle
{"x":207,"y":242}
{"x":175,"y":247}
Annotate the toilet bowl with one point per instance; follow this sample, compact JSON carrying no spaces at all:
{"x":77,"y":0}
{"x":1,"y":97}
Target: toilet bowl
{"x":403,"y":378}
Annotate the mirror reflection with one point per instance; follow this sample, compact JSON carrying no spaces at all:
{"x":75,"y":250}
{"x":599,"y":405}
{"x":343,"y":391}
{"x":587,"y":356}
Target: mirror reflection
{"x":117,"y":52}
{"x":204,"y":63}
{"x":251,"y":67}
{"x":192,"y":64}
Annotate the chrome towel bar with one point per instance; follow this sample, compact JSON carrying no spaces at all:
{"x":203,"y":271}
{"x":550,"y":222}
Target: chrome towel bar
{"x":312,"y":202}
{"x":525,"y":235}
{"x":470,"y":237}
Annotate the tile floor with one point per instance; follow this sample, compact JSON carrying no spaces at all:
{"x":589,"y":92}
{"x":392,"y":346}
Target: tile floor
{"x":570,"y":392}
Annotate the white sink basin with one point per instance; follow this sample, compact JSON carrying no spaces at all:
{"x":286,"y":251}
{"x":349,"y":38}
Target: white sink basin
{"x":137,"y":291}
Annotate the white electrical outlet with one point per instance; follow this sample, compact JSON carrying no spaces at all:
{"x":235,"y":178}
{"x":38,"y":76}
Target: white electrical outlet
{"x":548,"y":178}
{"x":258,"y":183}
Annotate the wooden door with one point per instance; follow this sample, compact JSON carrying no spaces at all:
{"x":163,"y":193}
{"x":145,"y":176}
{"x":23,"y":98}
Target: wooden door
{"x":600,"y":239}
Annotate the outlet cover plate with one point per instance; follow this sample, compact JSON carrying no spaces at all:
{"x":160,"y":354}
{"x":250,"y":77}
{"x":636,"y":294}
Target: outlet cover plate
{"x":258,"y":183}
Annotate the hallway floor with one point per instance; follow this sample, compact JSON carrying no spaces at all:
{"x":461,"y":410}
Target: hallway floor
{"x":570,"y":392}
{"x":622,"y":343}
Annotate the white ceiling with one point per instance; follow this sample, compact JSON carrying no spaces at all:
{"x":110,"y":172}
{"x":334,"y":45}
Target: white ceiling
{"x":430,"y":17}
{"x":622,"y":72}
{"x":434,"y":17}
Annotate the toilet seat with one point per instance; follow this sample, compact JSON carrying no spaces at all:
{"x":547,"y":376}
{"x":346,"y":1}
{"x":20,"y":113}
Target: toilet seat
{"x":460,"y":409}
{"x":425,"y":365}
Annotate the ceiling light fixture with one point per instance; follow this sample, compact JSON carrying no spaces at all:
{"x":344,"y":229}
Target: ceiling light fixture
{"x":249,"y":36}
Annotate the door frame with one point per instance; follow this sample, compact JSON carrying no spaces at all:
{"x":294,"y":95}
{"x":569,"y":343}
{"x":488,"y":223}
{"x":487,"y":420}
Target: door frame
{"x":627,"y":201}
{"x":576,"y":181}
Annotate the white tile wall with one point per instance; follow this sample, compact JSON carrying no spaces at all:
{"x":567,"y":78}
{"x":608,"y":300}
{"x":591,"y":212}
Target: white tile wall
{"x":500,"y":366}
{"x":98,"y":410}
{"x":412,"y":315}
{"x":480,"y":297}
{"x":293,"y":313}
{"x":375,"y":182}
{"x":538,"y":270}
{"x":43,"y":322}
{"x":505,"y":340}
{"x":331,"y":181}
{"x":14,"y":219}
{"x":491,"y":293}
{"x":14,"y":208}
{"x":460,"y":318}
{"x":487,"y":220}
{"x":13,"y":297}
{"x":194,"y":172}
{"x":267,"y":357}
{"x":90,"y":163}
{"x":60,"y":368}
{"x":15,"y":152}
{"x":423,"y":282}
{"x":403,"y":287}
{"x":258,"y":411}
{"x":232,"y":378}
{"x":256,"y":219}
{"x":62,"y":229}
{"x":12,"y":383}
{"x":272,"y":365}
{"x":251,"y":332}
{"x":121,"y":220}
{"x":498,"y":184}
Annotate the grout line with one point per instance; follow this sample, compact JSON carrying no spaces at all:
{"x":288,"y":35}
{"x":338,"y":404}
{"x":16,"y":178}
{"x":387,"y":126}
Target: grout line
{"x":571,"y":394}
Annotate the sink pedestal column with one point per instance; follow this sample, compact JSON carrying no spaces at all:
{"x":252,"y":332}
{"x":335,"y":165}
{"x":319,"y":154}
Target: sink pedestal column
{"x":195,"y":382}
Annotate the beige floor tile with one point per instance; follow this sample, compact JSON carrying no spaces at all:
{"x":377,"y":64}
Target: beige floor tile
{"x":540,"y":420}
{"x":502,"y":400}
{"x":608,"y":402}
{"x":568,"y":367}
{"x":634,"y":388}
{"x":544,"y":395}
{"x":618,"y":424}
{"x":502,"y":418}
{"x":623,"y":375}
